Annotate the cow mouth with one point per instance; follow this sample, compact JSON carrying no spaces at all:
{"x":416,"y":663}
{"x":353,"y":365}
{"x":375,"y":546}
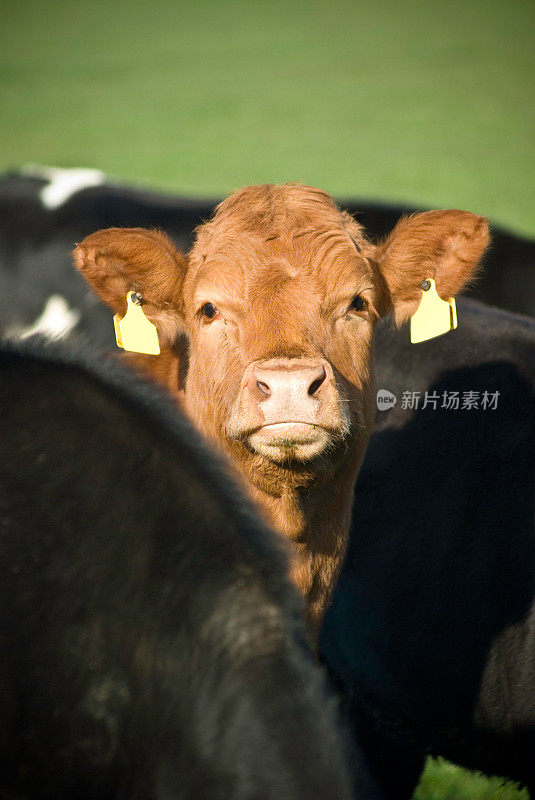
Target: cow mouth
{"x":290,"y":441}
{"x":289,"y":431}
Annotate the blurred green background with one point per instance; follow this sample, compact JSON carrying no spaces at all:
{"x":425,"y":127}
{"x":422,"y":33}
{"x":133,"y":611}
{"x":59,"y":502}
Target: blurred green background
{"x":430,"y":103}
{"x":425,"y":102}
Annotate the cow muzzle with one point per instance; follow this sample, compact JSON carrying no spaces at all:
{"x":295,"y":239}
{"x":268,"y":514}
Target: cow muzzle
{"x":288,"y":409}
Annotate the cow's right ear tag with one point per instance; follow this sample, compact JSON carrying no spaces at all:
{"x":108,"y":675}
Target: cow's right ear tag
{"x":134,"y":332}
{"x":433,"y":316}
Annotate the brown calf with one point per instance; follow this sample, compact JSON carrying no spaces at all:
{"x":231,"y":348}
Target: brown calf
{"x":266,"y":334}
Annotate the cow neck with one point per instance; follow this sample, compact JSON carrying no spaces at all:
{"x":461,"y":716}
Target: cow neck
{"x":315,"y":516}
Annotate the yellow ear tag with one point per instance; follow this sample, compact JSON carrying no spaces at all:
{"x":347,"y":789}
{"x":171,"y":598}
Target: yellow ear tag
{"x":134,"y":332}
{"x":433,"y":316}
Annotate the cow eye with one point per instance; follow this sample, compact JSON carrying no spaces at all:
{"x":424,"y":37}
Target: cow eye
{"x":208,"y":310}
{"x":358,"y":303}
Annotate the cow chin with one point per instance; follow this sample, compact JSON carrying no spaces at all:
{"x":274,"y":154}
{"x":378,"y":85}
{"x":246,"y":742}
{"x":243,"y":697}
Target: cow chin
{"x":290,"y":442}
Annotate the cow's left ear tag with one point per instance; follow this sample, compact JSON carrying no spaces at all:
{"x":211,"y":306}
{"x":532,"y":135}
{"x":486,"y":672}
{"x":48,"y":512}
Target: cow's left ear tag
{"x":134,"y":332}
{"x":433,"y":316}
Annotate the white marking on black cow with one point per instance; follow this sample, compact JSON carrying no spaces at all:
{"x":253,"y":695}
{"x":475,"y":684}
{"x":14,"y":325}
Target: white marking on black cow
{"x":63,"y":183}
{"x":56,"y":321}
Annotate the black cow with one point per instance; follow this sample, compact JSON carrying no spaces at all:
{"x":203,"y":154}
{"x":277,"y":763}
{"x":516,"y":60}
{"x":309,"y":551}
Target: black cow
{"x":431,"y":634}
{"x":152,"y":646}
{"x":44,"y":212}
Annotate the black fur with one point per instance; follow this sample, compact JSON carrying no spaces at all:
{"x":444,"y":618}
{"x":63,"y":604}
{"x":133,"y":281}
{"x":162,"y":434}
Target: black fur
{"x":431,"y":635}
{"x":152,"y":646}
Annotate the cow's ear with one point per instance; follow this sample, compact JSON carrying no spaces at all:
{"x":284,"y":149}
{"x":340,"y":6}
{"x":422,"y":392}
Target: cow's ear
{"x":116,"y":261}
{"x":443,"y":245}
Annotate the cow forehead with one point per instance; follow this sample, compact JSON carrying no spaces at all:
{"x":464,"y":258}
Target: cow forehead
{"x":251,"y":268}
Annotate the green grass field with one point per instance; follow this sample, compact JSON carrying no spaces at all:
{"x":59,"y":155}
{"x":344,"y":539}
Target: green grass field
{"x":426,"y":102}
{"x":444,"y":781}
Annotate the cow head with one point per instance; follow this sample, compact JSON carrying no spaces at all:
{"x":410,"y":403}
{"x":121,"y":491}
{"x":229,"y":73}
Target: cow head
{"x":278,"y":298}
{"x":277,"y":301}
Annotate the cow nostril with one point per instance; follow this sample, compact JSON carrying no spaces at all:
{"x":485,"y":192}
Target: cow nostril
{"x":315,"y":385}
{"x":264,"y":388}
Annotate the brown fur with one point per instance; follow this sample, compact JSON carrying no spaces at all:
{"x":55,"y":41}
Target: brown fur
{"x":282,"y":265}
